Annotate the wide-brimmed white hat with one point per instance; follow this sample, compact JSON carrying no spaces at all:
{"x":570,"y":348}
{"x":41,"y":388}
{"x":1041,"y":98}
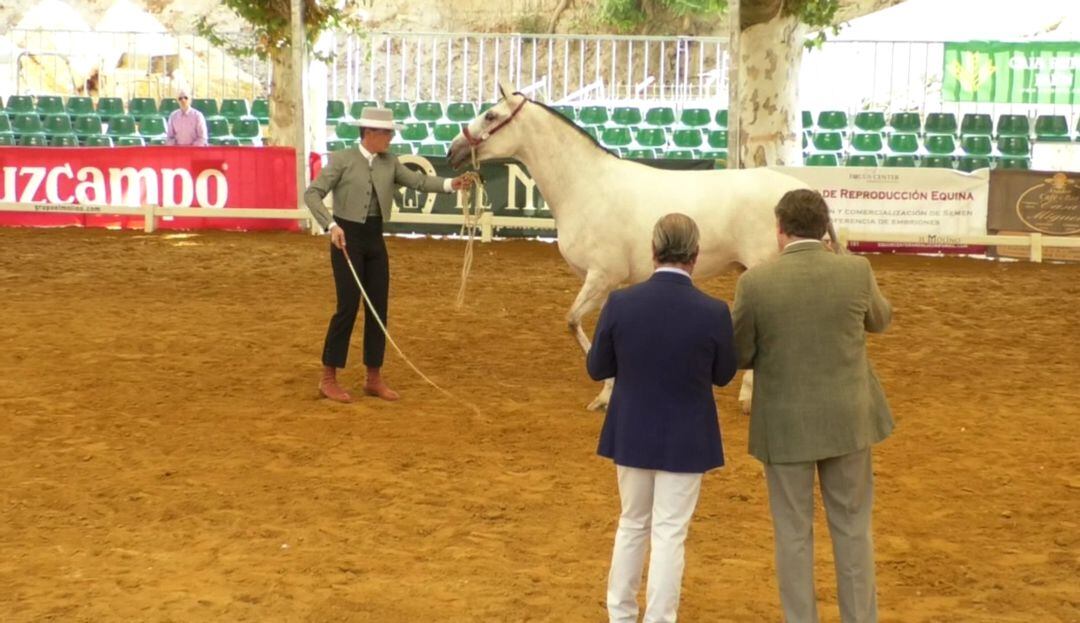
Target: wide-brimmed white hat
{"x":378,"y":118}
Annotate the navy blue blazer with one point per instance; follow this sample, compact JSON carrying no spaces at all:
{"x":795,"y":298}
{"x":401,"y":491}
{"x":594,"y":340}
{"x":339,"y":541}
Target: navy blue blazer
{"x":666,"y":343}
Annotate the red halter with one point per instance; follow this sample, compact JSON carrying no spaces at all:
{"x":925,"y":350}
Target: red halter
{"x":474,"y":142}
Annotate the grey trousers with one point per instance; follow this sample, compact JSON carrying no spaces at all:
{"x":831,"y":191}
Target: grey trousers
{"x":847,"y":488}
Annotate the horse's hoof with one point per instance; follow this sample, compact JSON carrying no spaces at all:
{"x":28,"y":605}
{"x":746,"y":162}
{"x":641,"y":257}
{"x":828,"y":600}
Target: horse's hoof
{"x":744,"y":406}
{"x":598,"y":404}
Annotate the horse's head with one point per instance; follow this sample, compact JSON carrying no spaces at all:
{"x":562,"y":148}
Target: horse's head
{"x":493,"y":134}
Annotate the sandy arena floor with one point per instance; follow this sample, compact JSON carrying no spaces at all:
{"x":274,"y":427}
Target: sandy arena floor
{"x":165,"y":456}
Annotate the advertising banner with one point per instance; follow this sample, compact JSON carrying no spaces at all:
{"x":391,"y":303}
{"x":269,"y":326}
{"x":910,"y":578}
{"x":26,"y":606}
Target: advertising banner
{"x":96,"y":177}
{"x":1035,"y":201}
{"x":1012,"y":73}
{"x":938,"y":205}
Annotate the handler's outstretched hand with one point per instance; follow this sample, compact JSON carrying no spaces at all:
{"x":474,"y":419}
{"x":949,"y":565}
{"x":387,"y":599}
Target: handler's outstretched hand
{"x":461,"y":182}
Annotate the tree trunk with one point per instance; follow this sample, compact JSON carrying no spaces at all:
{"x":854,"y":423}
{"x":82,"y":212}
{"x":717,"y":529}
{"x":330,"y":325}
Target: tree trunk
{"x":282,"y":110}
{"x":769,"y":117}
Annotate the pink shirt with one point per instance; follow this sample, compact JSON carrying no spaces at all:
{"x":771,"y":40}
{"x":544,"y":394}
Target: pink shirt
{"x":186,"y":128}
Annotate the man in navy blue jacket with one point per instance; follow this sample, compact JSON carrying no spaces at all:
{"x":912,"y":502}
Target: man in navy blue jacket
{"x":666,"y":343}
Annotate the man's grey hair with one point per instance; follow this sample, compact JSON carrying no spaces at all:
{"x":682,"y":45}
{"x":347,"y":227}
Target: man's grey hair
{"x":675,"y":239}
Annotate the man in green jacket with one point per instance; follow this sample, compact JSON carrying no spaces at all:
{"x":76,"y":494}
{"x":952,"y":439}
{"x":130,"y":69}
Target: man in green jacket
{"x":800,"y":324}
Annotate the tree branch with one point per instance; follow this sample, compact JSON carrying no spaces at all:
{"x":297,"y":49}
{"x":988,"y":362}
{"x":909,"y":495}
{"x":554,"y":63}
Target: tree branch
{"x":850,"y":9}
{"x":754,"y":12}
{"x":558,"y":13}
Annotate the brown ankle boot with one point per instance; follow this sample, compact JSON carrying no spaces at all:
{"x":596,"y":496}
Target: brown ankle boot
{"x":376,"y":386}
{"x":328,"y":386}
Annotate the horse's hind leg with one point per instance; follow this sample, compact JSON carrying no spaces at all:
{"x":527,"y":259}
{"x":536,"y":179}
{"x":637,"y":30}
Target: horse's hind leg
{"x":592,"y":296}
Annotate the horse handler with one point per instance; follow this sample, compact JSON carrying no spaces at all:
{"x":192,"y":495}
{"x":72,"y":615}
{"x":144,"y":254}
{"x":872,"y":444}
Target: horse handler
{"x":363,"y":181}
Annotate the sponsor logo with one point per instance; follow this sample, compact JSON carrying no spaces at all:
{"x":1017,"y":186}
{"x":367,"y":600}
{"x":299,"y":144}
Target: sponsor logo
{"x":1052,"y":207}
{"x":115,"y":186}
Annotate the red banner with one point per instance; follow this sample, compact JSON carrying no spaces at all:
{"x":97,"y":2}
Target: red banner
{"x":188,"y":177}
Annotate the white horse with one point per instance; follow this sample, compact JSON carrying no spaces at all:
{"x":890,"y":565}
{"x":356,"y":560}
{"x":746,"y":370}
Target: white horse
{"x":605,"y":207}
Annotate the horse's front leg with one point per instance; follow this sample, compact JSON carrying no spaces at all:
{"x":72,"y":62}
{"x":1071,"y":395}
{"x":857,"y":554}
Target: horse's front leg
{"x":592,"y":296}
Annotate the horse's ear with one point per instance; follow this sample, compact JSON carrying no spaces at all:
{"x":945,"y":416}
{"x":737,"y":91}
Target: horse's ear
{"x":505,"y":93}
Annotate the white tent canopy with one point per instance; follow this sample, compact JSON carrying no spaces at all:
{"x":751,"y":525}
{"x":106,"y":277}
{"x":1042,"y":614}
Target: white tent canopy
{"x":968,"y":20}
{"x":143,"y":34}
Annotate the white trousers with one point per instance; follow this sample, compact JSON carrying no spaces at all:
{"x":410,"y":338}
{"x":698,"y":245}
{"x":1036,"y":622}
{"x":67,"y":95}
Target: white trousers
{"x":656,"y":508}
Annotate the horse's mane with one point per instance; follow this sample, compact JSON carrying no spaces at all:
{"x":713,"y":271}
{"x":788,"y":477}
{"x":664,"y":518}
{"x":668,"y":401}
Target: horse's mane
{"x":561,"y":117}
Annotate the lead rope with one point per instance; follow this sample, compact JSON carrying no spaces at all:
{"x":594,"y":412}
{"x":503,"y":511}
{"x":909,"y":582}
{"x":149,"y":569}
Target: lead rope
{"x":472,"y":206}
{"x":382,"y":326}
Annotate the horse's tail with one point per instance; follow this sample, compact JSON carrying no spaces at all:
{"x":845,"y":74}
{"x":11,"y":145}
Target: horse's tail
{"x":837,"y":248}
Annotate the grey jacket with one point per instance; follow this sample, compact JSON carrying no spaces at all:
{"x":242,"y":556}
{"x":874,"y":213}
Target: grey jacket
{"x":349,"y":176}
{"x":800,"y":324}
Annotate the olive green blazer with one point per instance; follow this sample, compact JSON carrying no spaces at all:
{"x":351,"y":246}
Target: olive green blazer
{"x":800,"y":324}
{"x":349,"y":177}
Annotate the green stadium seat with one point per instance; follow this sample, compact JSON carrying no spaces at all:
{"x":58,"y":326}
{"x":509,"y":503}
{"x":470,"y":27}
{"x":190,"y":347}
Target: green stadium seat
{"x":49,"y":105}
{"x":122,"y":125}
{"x":1014,"y":146}
{"x":679,"y":154}
{"x":592,"y":131}
{"x":862,"y":160}
{"x":27,"y":123}
{"x":651,"y":137}
{"x":401,"y":149}
{"x":832,"y":141}
{"x":822,"y":160}
{"x":977,"y":145}
{"x":906,"y":122}
{"x":86,"y":126}
{"x":807,"y":119}
{"x":639,"y":154}
{"x":870,"y":121}
{"x":436,"y":150}
{"x":5,"y":122}
{"x":99,"y":140}
{"x":718,"y":139}
{"x":867,"y":142}
{"x":1013,"y":125}
{"x":428,"y":112}
{"x":616,"y":137}
{"x":130,"y":141}
{"x":64,"y":140}
{"x":414,"y":132}
{"x":152,"y":126}
{"x":7,"y":139}
{"x":1015,"y":163}
{"x":58,"y":125}
{"x":721,"y":118}
{"x":1052,"y":128}
{"x":936,"y":161}
{"x":156,"y":140}
{"x":626,"y":115}
{"x":446,"y":132}
{"x":225,"y":141}
{"x":695,"y":117}
{"x":19,"y":104}
{"x":167,"y":105}
{"x":357,"y":107}
{"x":660,"y":116}
{"x":218,"y":127}
{"x":260,"y":109}
{"x":461,"y":112}
{"x":234,"y":108}
{"x":976,"y":124}
{"x":78,"y":105}
{"x":109,"y":107}
{"x":335,"y":111}
{"x":716,"y":154}
{"x":906,"y":161}
{"x":904,"y":143}
{"x":34,"y":139}
{"x":940,"y":123}
{"x":485,"y":106}
{"x":940,"y":144}
{"x":593,"y":115}
{"x":832,"y":120}
{"x":246,"y":128}
{"x":207,"y":106}
{"x":336,"y":145}
{"x":973,"y":163}
{"x":140,"y":107}
{"x":401,"y":109}
{"x":686,"y":138}
{"x":347,"y":131}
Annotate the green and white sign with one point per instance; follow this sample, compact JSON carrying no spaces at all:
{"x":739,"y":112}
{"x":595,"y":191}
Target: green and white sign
{"x":1012,"y":73}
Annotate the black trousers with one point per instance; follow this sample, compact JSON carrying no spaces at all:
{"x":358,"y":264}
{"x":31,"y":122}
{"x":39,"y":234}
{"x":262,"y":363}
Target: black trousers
{"x":365,"y":246}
